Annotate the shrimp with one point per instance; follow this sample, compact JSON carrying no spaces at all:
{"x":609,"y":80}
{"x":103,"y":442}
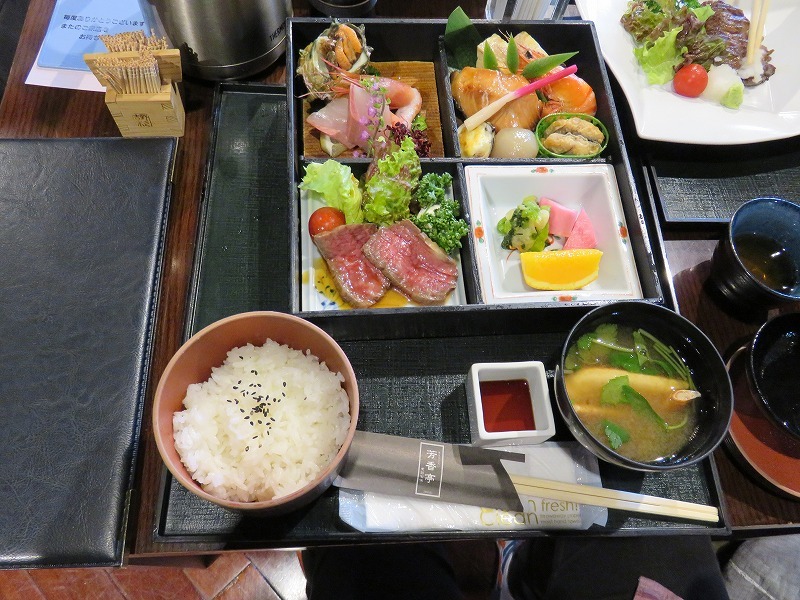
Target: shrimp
{"x":569,"y":94}
{"x":403,"y":99}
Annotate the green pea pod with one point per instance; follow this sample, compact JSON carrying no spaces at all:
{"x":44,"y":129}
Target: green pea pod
{"x":489,"y":58}
{"x":512,"y":56}
{"x":541,"y":66}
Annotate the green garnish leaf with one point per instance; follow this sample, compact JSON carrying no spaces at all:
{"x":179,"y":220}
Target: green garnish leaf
{"x":639,"y":344}
{"x":461,"y":39}
{"x":542,"y":66}
{"x":616,"y":435}
{"x":419,"y":123}
{"x":612,"y":392}
{"x":489,"y":58}
{"x":512,"y":56}
{"x":626,"y":361}
{"x":640,"y":404}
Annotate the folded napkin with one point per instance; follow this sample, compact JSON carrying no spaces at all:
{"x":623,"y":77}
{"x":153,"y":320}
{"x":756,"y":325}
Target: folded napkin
{"x":561,"y":461}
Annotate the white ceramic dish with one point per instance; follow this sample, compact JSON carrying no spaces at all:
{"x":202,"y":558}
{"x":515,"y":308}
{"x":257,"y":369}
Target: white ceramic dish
{"x":770,"y":111}
{"x":312,"y":299}
{"x":494,"y":190}
{"x":534,"y":374}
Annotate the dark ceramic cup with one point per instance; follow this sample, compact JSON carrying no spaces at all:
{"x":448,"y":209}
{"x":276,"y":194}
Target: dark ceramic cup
{"x":756,"y":266}
{"x":773,"y":369}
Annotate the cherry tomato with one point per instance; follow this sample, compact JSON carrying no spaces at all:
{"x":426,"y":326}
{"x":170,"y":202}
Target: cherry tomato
{"x":690,"y":80}
{"x":325,"y":219}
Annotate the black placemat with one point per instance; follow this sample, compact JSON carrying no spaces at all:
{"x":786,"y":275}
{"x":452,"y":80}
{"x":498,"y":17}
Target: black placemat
{"x":82,"y":225}
{"x":706,"y":184}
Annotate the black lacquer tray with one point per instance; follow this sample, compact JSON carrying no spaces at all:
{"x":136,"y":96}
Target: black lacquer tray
{"x":411,"y":363}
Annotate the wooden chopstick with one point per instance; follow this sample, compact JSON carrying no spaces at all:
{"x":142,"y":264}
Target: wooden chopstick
{"x":755,"y":35}
{"x":596,"y":496}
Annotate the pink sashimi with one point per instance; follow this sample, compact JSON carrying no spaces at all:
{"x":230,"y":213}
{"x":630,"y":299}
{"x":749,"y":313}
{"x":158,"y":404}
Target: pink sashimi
{"x":562,"y":219}
{"x":332,"y":119}
{"x":582,"y":234}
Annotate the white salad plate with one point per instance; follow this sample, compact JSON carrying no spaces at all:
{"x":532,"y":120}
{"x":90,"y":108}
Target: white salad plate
{"x":312,"y":299}
{"x":495,"y":190}
{"x":770,"y":111}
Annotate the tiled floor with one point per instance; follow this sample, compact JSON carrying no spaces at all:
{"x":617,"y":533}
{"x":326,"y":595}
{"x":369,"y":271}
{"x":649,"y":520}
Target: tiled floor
{"x":267,"y":575}
{"x":263,"y":575}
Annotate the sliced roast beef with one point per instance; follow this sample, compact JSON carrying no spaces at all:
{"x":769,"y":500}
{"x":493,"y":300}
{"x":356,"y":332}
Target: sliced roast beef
{"x":412,"y":262}
{"x":360,"y":283}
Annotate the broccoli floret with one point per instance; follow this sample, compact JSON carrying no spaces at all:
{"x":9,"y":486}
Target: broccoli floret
{"x":438,"y":215}
{"x":526,"y":227}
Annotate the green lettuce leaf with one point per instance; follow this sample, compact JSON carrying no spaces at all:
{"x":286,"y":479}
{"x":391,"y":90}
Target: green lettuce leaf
{"x":334,"y":184}
{"x":659,"y":59}
{"x":388,"y":192}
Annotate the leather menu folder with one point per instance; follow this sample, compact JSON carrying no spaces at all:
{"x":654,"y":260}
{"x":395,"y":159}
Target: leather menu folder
{"x":82,"y":225}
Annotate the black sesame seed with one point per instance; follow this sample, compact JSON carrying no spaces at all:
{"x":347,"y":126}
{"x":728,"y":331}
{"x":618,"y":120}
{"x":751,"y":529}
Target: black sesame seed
{"x":260,"y":422}
{"x":284,"y":384}
{"x":241,"y":410}
{"x":251,"y":423}
{"x":247,"y":448}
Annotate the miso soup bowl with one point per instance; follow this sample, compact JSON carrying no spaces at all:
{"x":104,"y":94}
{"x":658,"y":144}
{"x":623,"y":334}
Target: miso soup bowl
{"x":710,"y":376}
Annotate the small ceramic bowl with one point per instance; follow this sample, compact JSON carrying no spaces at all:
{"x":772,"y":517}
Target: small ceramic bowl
{"x":509,"y":404}
{"x":756,"y":266}
{"x":545,"y":122}
{"x":715,"y":408}
{"x":208,"y":348}
{"x":773,"y":369}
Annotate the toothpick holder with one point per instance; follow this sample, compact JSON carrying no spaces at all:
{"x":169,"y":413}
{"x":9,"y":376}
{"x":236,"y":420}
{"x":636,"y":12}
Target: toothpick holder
{"x":158,"y":114}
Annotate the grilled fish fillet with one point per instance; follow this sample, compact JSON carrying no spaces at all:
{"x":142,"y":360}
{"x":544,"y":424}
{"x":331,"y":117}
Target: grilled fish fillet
{"x":473,"y":89}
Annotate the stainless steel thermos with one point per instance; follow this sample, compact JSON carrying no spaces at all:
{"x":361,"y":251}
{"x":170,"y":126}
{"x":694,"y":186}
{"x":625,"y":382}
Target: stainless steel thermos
{"x":221,"y":39}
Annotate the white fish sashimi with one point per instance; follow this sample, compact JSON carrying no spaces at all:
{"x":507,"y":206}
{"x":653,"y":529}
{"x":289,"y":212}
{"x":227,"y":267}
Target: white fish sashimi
{"x":332,"y":120}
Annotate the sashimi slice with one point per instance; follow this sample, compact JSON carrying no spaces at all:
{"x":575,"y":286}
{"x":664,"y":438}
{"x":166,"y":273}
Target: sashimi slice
{"x":332,"y":120}
{"x":562,"y":219}
{"x":582,"y":234}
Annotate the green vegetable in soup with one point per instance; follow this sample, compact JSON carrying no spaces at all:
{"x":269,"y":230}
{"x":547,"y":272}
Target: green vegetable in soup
{"x":622,"y":383}
{"x":644,"y":353}
{"x":616,"y":434}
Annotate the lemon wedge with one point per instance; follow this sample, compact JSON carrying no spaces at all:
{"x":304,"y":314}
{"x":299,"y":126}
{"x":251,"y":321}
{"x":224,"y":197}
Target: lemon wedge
{"x":560,"y":269}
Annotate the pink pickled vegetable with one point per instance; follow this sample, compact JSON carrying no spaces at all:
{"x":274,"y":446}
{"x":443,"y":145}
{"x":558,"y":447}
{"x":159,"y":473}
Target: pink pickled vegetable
{"x":582,"y":234}
{"x":562,"y":219}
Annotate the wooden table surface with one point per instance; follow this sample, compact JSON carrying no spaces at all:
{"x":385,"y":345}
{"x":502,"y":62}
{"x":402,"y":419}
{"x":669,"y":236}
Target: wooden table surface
{"x":36,"y":112}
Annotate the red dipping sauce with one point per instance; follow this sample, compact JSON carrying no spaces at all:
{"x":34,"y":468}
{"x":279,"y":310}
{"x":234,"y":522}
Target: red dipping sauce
{"x":506,"y":405}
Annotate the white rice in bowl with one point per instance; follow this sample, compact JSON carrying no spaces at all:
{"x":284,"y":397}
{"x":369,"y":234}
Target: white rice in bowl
{"x":265,"y":424}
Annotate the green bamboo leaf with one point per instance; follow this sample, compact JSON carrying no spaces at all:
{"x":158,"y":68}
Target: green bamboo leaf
{"x":489,"y":58}
{"x":461,"y":40}
{"x":541,"y":66}
{"x":512,"y":56}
